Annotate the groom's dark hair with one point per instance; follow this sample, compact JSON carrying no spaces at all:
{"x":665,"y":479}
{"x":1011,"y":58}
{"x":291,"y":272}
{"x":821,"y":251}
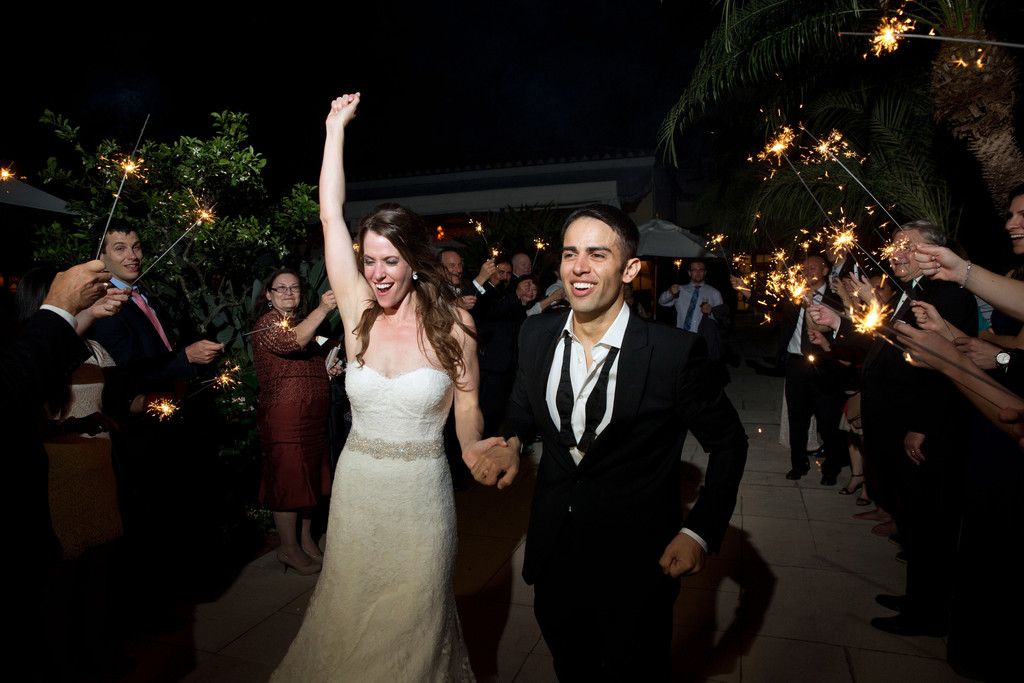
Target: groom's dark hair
{"x":615,"y":219}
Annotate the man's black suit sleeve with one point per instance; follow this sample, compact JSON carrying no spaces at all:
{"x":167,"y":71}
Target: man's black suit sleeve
{"x":703,"y":406}
{"x":43,"y":355}
{"x":518,"y":413}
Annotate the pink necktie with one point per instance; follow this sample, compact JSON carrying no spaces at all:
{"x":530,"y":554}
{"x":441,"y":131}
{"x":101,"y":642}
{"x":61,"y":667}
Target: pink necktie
{"x":141,"y":303}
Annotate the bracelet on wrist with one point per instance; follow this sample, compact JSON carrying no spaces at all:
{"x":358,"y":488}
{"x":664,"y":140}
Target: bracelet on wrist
{"x":966,"y":274}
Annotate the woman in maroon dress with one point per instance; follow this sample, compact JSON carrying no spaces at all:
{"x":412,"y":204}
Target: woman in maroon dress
{"x":292,"y":419}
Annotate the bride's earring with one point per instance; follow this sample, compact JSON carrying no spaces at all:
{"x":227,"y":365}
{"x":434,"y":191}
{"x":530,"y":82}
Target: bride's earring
{"x":415,"y":275}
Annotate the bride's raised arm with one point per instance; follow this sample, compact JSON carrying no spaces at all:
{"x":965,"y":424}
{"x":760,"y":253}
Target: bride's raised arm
{"x":349,"y":285}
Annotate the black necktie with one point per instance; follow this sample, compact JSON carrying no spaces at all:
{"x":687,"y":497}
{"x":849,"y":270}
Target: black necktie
{"x":597,"y":403}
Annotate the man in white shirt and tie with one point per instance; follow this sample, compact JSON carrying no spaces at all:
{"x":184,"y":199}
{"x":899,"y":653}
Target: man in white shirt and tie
{"x":612,"y":397}
{"x":694,"y":300}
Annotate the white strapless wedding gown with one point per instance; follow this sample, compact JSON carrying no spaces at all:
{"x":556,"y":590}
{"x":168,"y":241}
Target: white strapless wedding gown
{"x":384,"y":606}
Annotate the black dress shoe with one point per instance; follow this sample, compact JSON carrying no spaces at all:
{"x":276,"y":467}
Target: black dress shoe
{"x":900,"y":625}
{"x":797,"y":473}
{"x":828,"y":480}
{"x":893,"y":602}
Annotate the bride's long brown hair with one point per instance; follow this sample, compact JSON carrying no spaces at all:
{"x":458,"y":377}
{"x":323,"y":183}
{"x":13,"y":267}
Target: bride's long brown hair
{"x":436,"y":301}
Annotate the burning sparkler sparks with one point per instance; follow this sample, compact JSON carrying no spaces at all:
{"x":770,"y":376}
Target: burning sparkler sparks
{"x":541,"y":245}
{"x":203,"y":215}
{"x":889,"y":31}
{"x":777,"y":145}
{"x":870,"y":317}
{"x":227,"y":377}
{"x":479,"y":229}
{"x":162,"y":409}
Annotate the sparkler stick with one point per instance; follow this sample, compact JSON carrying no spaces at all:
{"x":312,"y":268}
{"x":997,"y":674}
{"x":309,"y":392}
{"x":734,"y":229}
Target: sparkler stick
{"x":204,"y":215}
{"x":127,"y":167}
{"x":150,"y":267}
{"x":900,"y":35}
{"x":283,"y":323}
{"x":717,"y":240}
{"x":826,"y":149}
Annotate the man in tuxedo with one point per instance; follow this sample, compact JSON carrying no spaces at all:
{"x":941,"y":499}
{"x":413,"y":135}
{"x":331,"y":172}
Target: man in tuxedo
{"x":813,"y":381}
{"x":612,"y":397}
{"x":916,"y":431}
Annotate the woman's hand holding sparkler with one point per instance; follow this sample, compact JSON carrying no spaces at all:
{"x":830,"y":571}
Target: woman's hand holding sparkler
{"x":940,"y":263}
{"x":928,"y":318}
{"x":928,"y":348}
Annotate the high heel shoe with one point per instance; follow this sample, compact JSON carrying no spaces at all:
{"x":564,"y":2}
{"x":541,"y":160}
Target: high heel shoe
{"x":318,"y":558}
{"x":308,"y":570}
{"x":847,"y":491}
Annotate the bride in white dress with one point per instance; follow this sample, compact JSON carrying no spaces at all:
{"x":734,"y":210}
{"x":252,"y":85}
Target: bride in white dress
{"x":384,"y":606}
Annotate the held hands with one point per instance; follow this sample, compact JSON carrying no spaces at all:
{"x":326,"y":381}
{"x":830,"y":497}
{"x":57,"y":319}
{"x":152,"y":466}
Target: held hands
{"x":683,"y":556}
{"x":202,"y":351}
{"x":343,"y":110}
{"x":493,"y":461}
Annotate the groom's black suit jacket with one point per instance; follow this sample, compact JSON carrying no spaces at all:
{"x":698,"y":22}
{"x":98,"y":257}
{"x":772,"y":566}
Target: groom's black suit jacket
{"x":625,"y":493}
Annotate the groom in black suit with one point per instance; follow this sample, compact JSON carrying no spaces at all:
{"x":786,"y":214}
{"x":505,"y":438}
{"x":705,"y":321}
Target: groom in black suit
{"x":613,"y":396}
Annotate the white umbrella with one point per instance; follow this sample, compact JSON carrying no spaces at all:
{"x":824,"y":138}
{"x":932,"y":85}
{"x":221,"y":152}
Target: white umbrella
{"x":661,"y":238}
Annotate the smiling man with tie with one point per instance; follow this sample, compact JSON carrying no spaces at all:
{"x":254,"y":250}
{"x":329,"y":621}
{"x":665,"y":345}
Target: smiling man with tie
{"x":612,"y":397}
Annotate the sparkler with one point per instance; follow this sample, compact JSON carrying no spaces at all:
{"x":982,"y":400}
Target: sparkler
{"x":204,"y":215}
{"x":226,"y":378}
{"x":103,"y":237}
{"x":835,"y":158}
{"x":6,"y":174}
{"x":717,"y":240}
{"x":282,"y":324}
{"x":883,"y":37}
{"x":162,"y":409}
{"x":480,"y":230}
{"x":540,"y":245}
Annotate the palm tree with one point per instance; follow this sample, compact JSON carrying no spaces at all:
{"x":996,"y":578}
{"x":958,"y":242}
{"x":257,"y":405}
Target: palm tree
{"x":789,"y":54}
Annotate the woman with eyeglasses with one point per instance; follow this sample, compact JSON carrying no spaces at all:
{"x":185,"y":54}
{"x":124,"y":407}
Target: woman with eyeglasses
{"x":294,"y":400}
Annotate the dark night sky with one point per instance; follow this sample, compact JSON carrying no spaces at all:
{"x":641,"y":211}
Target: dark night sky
{"x":445,"y":84}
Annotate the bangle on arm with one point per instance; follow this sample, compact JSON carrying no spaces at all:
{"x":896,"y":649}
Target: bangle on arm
{"x":967,"y":274}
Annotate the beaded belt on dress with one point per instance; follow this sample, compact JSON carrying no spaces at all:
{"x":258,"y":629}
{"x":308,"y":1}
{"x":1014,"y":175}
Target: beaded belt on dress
{"x":404,"y":450}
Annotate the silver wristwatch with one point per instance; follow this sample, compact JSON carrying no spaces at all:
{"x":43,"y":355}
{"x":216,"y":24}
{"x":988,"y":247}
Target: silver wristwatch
{"x":1003,"y":360}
